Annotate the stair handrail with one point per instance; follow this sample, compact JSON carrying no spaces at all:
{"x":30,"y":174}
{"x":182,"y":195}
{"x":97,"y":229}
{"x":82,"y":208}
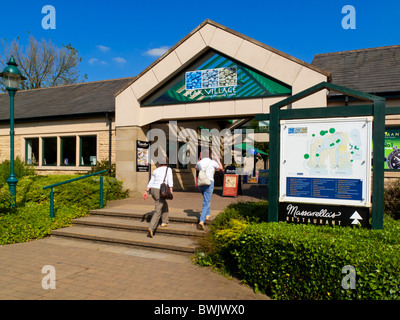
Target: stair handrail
{"x":72,"y":180}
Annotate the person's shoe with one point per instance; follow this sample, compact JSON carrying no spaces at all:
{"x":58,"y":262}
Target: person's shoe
{"x":208,"y":217}
{"x":201,"y":225}
{"x":150,"y":233}
{"x":163,"y":225}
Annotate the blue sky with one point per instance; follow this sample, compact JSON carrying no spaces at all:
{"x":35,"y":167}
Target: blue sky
{"x":120,"y":38}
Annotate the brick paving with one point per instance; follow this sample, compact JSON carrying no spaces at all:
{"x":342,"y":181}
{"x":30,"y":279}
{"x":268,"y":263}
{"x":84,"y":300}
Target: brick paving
{"x":96,"y":271}
{"x":92,"y":271}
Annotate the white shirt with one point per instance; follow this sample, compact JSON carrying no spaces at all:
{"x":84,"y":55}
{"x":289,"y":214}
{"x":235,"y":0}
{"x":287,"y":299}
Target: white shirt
{"x":209,"y":165}
{"x":157,"y":178}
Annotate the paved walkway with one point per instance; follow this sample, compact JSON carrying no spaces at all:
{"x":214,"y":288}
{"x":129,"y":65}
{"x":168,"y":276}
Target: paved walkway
{"x":85,"y":270}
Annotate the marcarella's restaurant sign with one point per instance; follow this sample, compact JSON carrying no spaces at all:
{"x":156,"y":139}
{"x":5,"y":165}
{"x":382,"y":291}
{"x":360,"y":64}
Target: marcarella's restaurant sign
{"x":306,"y":213}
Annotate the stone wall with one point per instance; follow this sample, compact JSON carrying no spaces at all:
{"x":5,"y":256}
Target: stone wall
{"x":59,"y":128}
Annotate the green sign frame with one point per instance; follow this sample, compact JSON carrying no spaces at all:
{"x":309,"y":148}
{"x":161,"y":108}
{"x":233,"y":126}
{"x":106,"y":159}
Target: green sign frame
{"x":375,"y":108}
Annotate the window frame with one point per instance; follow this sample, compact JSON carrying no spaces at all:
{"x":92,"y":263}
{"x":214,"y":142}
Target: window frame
{"x":81,"y":163}
{"x":44,"y":149}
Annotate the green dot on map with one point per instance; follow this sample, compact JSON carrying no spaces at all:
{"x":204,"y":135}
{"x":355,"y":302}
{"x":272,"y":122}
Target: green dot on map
{"x":323,"y":132}
{"x":338,"y":140}
{"x":332,"y":130}
{"x":306,"y":156}
{"x":313,"y":134}
{"x":317,"y":155}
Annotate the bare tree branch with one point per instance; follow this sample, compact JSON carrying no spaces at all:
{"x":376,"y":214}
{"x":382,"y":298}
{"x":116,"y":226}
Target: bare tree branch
{"x":43,"y":63}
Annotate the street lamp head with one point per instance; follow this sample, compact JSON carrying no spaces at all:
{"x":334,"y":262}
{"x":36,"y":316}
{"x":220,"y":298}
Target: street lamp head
{"x":11,"y":75}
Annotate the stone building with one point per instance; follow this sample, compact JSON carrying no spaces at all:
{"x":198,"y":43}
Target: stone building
{"x":214,"y":77}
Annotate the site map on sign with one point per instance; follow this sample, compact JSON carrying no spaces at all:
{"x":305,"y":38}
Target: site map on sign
{"x":331,"y":153}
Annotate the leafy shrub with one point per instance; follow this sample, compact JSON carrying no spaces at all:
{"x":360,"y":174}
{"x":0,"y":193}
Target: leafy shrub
{"x":289,"y":261}
{"x":6,"y":202}
{"x":33,"y":222}
{"x":20,"y":169}
{"x":213,"y":247}
{"x":31,"y":219}
{"x":392,"y":199}
{"x":250,"y":211}
{"x":104,"y":165}
{"x":86,"y":192}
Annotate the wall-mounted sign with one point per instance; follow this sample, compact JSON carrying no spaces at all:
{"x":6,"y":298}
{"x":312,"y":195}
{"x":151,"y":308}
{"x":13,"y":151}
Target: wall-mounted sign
{"x":263,"y":177}
{"x":142,"y":156}
{"x":326,"y":161}
{"x":216,"y":77}
{"x":392,"y":148}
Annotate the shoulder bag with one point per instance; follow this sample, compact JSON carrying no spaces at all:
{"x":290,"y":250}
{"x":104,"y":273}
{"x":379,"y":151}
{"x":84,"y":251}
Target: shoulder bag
{"x":165,"y":191}
{"x":203,"y":179}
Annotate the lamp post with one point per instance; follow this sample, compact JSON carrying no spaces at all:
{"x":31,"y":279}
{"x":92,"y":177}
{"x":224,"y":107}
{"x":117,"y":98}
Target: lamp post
{"x":12,"y":78}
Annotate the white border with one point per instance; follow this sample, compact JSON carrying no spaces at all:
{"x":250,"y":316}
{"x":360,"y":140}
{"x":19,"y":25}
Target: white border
{"x":366,"y":192}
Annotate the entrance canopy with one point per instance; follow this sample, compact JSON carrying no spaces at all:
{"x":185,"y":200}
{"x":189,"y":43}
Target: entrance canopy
{"x":249,"y":148}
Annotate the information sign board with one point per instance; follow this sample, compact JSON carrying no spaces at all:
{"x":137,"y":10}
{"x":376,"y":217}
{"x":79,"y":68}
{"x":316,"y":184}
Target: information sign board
{"x":230,"y":185}
{"x":326,"y":161}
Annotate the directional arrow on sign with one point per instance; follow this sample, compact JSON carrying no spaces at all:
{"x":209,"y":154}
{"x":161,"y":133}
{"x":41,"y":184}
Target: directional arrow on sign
{"x":356,"y":216}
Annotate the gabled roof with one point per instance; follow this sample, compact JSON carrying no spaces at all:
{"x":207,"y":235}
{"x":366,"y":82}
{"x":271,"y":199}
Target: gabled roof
{"x":372,"y":70}
{"x":69,"y":100}
{"x":233,"y":32}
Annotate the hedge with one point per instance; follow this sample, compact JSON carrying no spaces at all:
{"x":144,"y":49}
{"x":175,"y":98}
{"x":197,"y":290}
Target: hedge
{"x":289,"y":261}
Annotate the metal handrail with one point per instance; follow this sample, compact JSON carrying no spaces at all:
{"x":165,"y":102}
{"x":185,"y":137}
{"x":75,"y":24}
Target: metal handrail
{"x":72,"y":180}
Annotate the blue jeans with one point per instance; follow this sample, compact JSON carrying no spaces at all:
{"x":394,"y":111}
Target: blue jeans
{"x":207,"y":192}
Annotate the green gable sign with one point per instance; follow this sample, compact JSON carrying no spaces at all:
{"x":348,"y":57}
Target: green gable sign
{"x":216,"y":77}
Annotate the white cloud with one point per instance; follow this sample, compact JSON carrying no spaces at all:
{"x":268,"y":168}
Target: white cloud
{"x":103,"y":48}
{"x":157,"y":52}
{"x":93,"y":60}
{"x":96,"y":61}
{"x":119,"y":60}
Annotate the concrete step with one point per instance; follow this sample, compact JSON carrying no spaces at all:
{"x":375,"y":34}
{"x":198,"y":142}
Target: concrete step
{"x":187,"y":216}
{"x":131,"y":238}
{"x":117,"y":223}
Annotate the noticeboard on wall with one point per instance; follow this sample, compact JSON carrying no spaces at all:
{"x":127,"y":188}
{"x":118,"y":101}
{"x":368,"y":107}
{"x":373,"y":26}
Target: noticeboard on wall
{"x":392,"y":148}
{"x":142,"y":156}
{"x":326,"y":161}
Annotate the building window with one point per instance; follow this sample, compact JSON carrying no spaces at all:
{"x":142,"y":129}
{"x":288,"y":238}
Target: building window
{"x":62,"y":151}
{"x":49,"y":146}
{"x":68,"y":151}
{"x":32,"y":151}
{"x":88,"y":151}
